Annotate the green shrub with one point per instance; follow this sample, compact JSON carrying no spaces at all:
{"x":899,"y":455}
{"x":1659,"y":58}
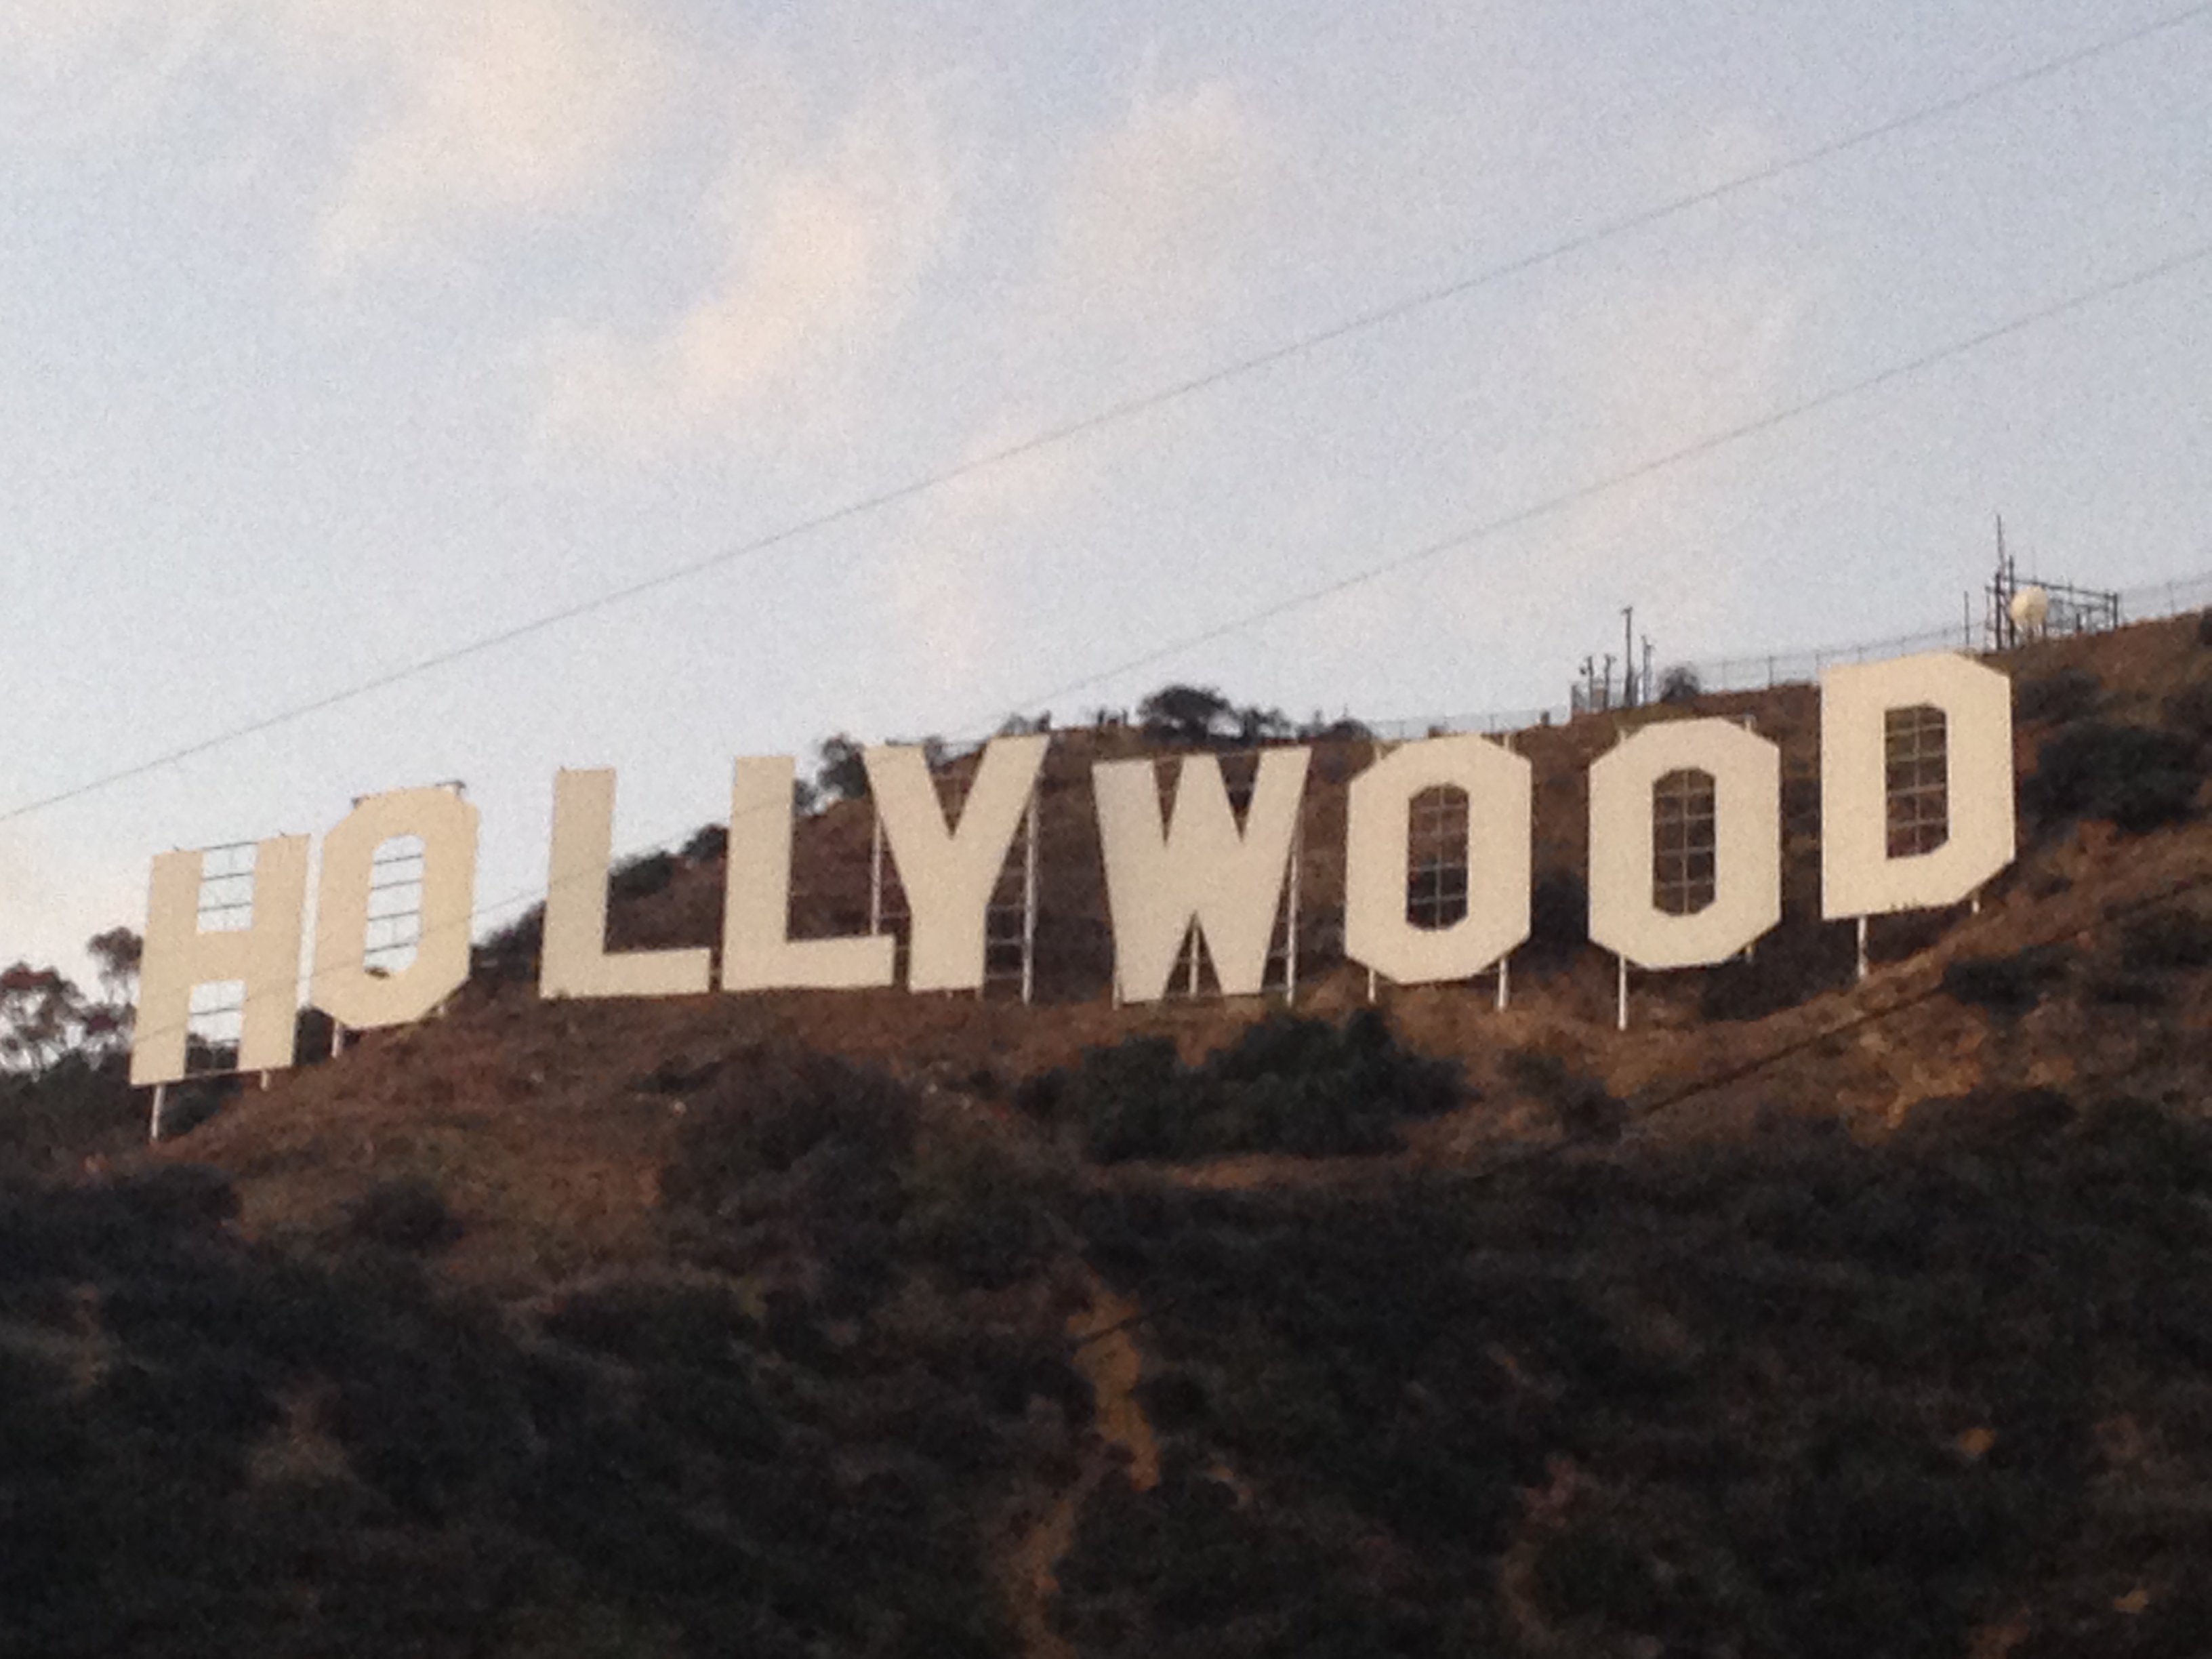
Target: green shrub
{"x":2136,"y":776}
{"x":1593,"y":1571}
{"x":1287,"y":1084}
{"x":1302,"y":1085}
{"x":510,"y":954}
{"x":402,"y":1212}
{"x":707,"y":845}
{"x":2125,"y":991}
{"x":2068,"y":694}
{"x":1584,"y":1109}
{"x":52,"y":1119}
{"x":170,"y":1197}
{"x":2003,"y":984}
{"x":980,"y":1213}
{"x":652,"y":1322}
{"x":766,"y":1115}
{"x":642,"y":876}
{"x":796,"y":1163}
{"x":2189,"y":711}
{"x":1985,"y":1118}
{"x":1792,"y":965}
{"x":1134,"y":1099}
{"x":1558,"y":918}
{"x":2167,"y":937}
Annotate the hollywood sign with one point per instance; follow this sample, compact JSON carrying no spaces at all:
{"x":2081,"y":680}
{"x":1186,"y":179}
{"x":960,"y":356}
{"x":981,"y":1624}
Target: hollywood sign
{"x":1199,"y":868}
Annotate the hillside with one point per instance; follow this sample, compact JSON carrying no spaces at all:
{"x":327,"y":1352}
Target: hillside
{"x":1808,"y":1316}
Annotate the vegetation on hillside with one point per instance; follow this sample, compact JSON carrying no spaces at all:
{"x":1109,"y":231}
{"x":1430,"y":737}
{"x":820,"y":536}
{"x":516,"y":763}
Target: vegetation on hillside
{"x":1785,"y":1395}
{"x":212,"y":1447}
{"x":1287,"y":1085}
{"x":1794,"y":1397}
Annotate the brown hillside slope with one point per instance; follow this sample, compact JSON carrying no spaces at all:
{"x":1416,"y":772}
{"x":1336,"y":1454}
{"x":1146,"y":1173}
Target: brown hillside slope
{"x":1628,"y":1351}
{"x":544,"y":1124}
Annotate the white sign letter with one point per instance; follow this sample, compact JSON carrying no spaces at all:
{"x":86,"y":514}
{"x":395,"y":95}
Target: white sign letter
{"x":574,"y":961}
{"x":1202,"y":869}
{"x":1499,"y":832}
{"x":342,"y":985}
{"x":1915,"y":783}
{"x":1735,"y":852}
{"x":758,"y":953}
{"x":264,"y":957}
{"x":949,"y":873}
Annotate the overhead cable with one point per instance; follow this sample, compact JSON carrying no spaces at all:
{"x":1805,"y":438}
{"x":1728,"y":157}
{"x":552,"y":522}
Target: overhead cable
{"x":1551,"y":505}
{"x":1116,"y":414}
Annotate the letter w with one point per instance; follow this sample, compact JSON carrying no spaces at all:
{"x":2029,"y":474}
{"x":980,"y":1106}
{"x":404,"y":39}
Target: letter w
{"x":1202,"y":868}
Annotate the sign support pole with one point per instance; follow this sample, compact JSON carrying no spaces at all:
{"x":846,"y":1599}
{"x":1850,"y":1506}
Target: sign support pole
{"x":1029,"y":900}
{"x":876,"y":873}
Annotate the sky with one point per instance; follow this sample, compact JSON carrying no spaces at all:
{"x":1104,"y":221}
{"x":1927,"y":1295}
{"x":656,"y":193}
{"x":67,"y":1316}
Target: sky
{"x":337,"y":334}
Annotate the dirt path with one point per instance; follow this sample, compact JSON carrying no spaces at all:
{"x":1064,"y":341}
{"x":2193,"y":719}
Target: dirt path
{"x":1107,"y":1354}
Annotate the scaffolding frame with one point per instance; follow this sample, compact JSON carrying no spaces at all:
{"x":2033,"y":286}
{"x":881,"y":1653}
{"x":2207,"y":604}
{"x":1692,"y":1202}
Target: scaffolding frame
{"x":2073,"y":609}
{"x":1009,"y":916}
{"x":1240,"y":771}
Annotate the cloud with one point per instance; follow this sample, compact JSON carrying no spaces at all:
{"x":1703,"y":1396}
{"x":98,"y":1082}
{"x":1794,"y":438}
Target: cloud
{"x":91,"y":71}
{"x":1150,"y":223}
{"x":825,"y":247}
{"x":947,"y":586}
{"x":1638,"y":372}
{"x":1139,"y":236}
{"x":1622,"y":375}
{"x":449,"y":112}
{"x":491,"y":108}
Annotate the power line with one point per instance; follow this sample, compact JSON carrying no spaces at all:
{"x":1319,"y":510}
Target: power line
{"x":1703,"y":447}
{"x":1116,"y":414}
{"x":1554,"y":504}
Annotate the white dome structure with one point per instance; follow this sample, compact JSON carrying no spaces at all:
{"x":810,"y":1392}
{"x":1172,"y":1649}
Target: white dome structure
{"x":2030,"y":610}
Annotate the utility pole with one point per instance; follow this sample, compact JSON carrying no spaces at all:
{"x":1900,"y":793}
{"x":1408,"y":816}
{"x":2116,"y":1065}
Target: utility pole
{"x":1628,"y":656}
{"x":1608,"y":680}
{"x":1648,"y":682}
{"x":2000,"y":596}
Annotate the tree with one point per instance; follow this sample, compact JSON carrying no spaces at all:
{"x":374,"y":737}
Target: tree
{"x":108,"y":1023}
{"x":711,"y":842}
{"x":1343,"y":729}
{"x":116,"y":955}
{"x":46,"y":1018}
{"x":842,"y":774}
{"x":1186,"y":714}
{"x":41,"y":1018}
{"x":1680,"y":684}
{"x":1256,"y":724}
